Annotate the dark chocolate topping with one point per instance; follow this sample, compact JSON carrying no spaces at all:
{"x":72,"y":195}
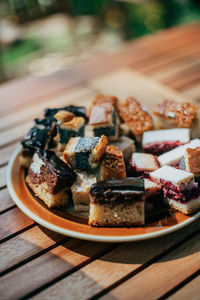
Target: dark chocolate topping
{"x":86,"y":144}
{"x":56,"y":165}
{"x":130,"y":184}
{"x":78,"y":111}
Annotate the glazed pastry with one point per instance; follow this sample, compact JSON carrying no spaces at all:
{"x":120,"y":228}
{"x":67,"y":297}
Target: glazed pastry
{"x":50,"y":178}
{"x":117,"y":203}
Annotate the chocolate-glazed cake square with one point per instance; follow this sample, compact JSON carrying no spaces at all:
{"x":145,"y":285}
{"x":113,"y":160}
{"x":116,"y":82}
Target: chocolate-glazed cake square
{"x":38,"y":137}
{"x":50,"y":178}
{"x":78,"y":111}
{"x":117,"y":203}
{"x":84,"y":153}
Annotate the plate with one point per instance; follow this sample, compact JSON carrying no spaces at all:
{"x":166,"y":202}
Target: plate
{"x":68,"y":223}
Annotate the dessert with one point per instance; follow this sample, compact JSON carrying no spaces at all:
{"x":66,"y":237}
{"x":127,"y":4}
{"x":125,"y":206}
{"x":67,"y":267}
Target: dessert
{"x":135,"y":117}
{"x":68,"y":125}
{"x":173,"y":157}
{"x":153,"y":191}
{"x":84,"y":153}
{"x":143,"y":163}
{"x":78,"y":111}
{"x":50,"y":178}
{"x":160,"y":141}
{"x":117,"y":203}
{"x":112,"y":165}
{"x":191,"y":161}
{"x":179,"y":188}
{"x":80,"y":191}
{"x":169,"y":114}
{"x":99,"y":99}
{"x":126,"y":145}
{"x":103,"y":120}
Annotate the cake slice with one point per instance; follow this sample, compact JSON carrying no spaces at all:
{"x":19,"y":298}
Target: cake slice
{"x":180,"y":190}
{"x":135,"y":117}
{"x":170,"y":114}
{"x":37,"y":137}
{"x":160,"y":141}
{"x":117,"y":203}
{"x":68,"y":125}
{"x":173,"y":157}
{"x":80,"y":191}
{"x":153,"y":191}
{"x":112,"y":164}
{"x":50,"y":178}
{"x":100,"y":99}
{"x":126,"y":145}
{"x":103,"y":121}
{"x":143,"y":163}
{"x":84,"y":153}
{"x":78,"y":111}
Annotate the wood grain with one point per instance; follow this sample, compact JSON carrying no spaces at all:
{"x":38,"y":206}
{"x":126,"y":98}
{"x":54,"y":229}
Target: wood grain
{"x":13,"y":221}
{"x":5,"y":200}
{"x":162,"y":275}
{"x":112,"y":267}
{"x":189,"y":291}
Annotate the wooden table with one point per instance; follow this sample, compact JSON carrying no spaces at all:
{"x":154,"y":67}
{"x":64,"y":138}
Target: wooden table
{"x":40,"y":264}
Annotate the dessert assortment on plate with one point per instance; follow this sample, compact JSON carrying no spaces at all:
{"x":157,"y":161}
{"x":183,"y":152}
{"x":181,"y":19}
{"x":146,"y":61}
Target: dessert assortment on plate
{"x":116,"y":162}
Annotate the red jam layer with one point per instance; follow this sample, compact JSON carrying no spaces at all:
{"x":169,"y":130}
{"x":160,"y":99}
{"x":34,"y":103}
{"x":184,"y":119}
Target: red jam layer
{"x":159,"y":148}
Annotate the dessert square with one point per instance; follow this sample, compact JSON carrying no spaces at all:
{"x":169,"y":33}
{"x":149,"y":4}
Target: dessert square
{"x":153,"y":191}
{"x":169,"y":114}
{"x":137,"y":119}
{"x":112,"y":164}
{"x":173,"y":157}
{"x":50,"y":178}
{"x":80,"y":191}
{"x":117,"y":203}
{"x":192,"y":160}
{"x":180,"y":190}
{"x":78,"y":111}
{"x":143,"y":163}
{"x":84,"y":153}
{"x":158,"y":142}
{"x":99,"y":99}
{"x":37,"y":137}
{"x":126,"y":145}
{"x":68,"y":125}
{"x":103,"y":120}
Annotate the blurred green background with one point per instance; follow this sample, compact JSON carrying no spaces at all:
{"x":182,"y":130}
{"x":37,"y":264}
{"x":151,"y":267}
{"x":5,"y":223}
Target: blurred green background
{"x":38,"y":37}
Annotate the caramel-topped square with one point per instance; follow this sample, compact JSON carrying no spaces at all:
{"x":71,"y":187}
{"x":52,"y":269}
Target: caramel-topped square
{"x":179,"y":114}
{"x":138,"y":119}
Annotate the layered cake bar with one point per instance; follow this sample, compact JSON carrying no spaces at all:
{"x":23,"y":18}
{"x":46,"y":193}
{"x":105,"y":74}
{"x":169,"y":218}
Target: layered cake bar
{"x":143,"y":163}
{"x":153,"y":191}
{"x":112,"y":164}
{"x":126,"y":145}
{"x":173,"y":157}
{"x":50,"y":178}
{"x":78,"y":111}
{"x":117,"y":203}
{"x":135,"y":117}
{"x":179,"y":188}
{"x":80,"y":191}
{"x":103,"y":120}
{"x":191,"y":161}
{"x":160,"y":141}
{"x":84,"y":153}
{"x":68,"y":125}
{"x":38,"y":137}
{"x":169,"y":114}
{"x":100,"y":99}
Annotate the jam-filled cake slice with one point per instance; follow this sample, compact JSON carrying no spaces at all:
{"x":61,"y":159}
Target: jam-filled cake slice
{"x":50,"y":178}
{"x":173,"y":157}
{"x":179,"y":188}
{"x":84,"y":153}
{"x":117,"y":203}
{"x":160,"y":141}
{"x":143,"y":163}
